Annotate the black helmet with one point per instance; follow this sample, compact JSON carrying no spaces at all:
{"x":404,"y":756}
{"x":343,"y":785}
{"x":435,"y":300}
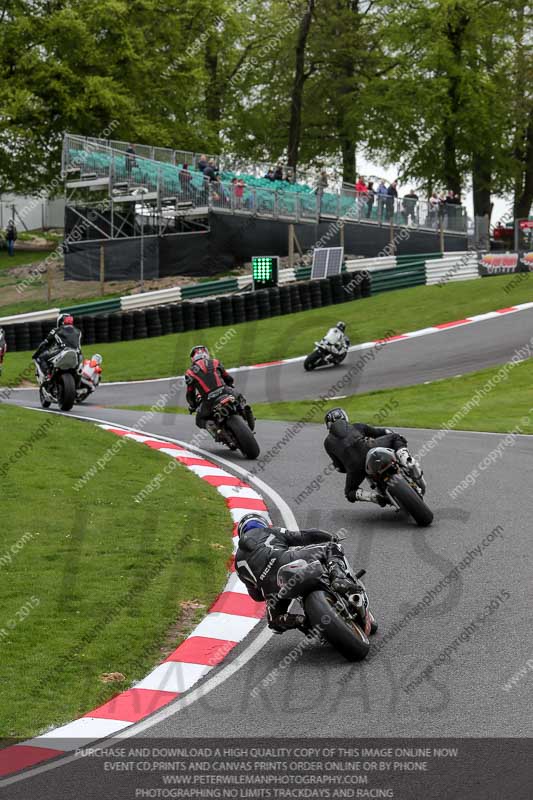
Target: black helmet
{"x":334,"y":416}
{"x":198,"y":352}
{"x":341,"y":326}
{"x":250,"y":521}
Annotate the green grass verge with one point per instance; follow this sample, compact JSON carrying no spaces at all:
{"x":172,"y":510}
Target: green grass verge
{"x":110,"y":577}
{"x":432,"y":405}
{"x":292,"y":335}
{"x":21,"y":258}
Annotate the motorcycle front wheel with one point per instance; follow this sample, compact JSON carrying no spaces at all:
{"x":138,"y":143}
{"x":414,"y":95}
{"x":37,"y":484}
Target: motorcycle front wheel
{"x":344,"y":635}
{"x":66,"y":391}
{"x":244,"y":436}
{"x":312,"y":360}
{"x":44,"y":402}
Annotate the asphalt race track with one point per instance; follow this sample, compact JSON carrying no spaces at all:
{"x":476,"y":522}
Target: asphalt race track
{"x":400,"y":363}
{"x":321,"y":694}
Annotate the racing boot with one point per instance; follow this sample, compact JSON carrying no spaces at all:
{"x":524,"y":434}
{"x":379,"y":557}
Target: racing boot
{"x":288,"y":622}
{"x":341,"y":582}
{"x":406,"y":460}
{"x":371,"y":496}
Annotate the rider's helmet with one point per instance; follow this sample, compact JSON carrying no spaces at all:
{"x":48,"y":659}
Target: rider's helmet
{"x":341,"y":326}
{"x":250,"y":521}
{"x":334,"y":415}
{"x":198,"y":352}
{"x":65,"y":319}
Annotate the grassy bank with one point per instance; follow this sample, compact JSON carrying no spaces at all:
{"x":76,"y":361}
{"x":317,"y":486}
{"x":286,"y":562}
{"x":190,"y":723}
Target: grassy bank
{"x":92,"y":583}
{"x":432,"y":405}
{"x":294,"y":334}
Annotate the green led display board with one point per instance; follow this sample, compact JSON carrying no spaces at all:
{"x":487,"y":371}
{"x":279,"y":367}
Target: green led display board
{"x":265,"y":271}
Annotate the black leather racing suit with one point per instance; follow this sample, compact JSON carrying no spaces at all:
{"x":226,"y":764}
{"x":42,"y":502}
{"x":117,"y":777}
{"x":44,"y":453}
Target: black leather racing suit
{"x":62,"y":336}
{"x":348,"y":444}
{"x":262,"y":551}
{"x":206,"y":382}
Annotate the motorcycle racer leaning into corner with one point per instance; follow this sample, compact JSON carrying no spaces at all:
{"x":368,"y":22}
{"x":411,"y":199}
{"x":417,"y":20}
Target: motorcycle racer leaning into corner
{"x":207,"y":381}
{"x":65,"y":334}
{"x":263,"y":549}
{"x":336,"y":337}
{"x":348,"y":444}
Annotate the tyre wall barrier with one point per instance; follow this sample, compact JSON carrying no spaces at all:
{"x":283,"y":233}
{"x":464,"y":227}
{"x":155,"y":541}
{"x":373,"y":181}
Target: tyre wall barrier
{"x":140,"y":323}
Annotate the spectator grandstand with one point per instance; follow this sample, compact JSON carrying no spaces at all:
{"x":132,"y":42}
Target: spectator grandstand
{"x":159,"y":170}
{"x":199,"y":214}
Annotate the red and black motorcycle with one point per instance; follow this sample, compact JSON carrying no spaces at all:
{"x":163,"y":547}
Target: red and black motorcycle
{"x":235,"y":423}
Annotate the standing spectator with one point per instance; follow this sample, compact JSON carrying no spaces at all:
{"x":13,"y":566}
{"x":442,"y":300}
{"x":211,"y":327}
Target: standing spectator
{"x":392,"y":196}
{"x":211,"y":170}
{"x":202,"y":163}
{"x":370,"y":199}
{"x":237,"y":186}
{"x":382,"y":194}
{"x":433,"y":213}
{"x":131,"y":160}
{"x":410,"y":201}
{"x":11,"y":236}
{"x":278,"y":173}
{"x":289,"y":176}
{"x":361,"y":194}
{"x":217,"y":190}
{"x":269,"y":176}
{"x":321,"y":186}
{"x":450,"y":209}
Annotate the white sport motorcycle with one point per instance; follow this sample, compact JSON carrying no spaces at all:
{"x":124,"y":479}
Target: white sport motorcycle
{"x":332,"y":349}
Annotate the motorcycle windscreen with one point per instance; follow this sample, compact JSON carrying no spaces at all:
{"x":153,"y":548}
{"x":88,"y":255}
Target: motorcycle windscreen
{"x":65,"y":359}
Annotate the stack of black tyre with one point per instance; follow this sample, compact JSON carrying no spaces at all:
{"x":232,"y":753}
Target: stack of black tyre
{"x":214,"y":312}
{"x":115,"y":327}
{"x":238,"y":308}
{"x":226,"y":310}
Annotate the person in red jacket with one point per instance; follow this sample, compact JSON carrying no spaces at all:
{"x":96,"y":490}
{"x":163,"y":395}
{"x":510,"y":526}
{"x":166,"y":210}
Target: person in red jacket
{"x":361,"y":194}
{"x":207,"y":381}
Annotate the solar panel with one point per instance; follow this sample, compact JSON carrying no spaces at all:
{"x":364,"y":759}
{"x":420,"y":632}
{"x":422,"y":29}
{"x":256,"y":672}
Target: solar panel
{"x":327,"y":261}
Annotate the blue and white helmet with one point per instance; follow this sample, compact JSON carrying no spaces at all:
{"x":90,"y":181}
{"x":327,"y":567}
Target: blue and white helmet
{"x":250,"y":521}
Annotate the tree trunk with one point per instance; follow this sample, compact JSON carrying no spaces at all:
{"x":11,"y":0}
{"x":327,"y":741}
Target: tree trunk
{"x":295,"y":125}
{"x":455,"y":33}
{"x":348,"y":159}
{"x":213,"y":97}
{"x":524,"y":192}
{"x":482,"y":184}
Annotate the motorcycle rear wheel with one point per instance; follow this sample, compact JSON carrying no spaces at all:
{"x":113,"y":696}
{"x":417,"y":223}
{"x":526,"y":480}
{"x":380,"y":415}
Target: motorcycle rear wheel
{"x":244,"y":436}
{"x":67,"y":391}
{"x":410,"y":501}
{"x":346,"y":637}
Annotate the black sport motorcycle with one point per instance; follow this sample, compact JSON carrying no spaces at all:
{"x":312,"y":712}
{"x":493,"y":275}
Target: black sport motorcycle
{"x":397,"y":484}
{"x":345,"y":622}
{"x":60,"y":386}
{"x":324,"y":354}
{"x":235,"y":424}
